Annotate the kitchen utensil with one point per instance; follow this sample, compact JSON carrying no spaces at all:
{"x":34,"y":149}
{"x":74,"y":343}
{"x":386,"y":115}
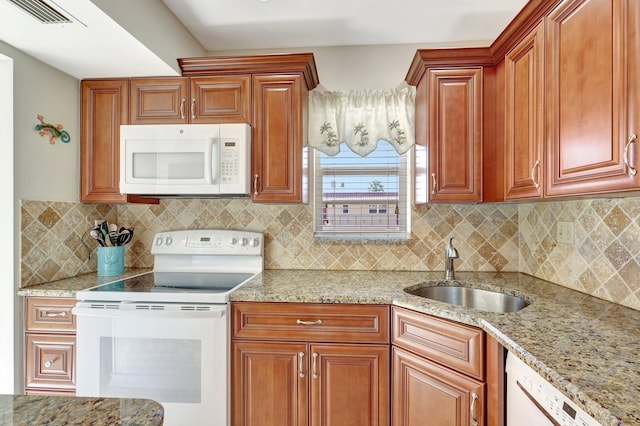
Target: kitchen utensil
{"x":97,"y":235}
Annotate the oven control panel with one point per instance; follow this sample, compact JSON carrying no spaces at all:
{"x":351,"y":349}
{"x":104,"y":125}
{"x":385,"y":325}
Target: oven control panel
{"x":209,"y":242}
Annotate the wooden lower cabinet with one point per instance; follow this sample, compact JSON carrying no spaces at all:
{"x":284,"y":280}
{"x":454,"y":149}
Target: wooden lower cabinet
{"x":302,"y":364}
{"x":425,"y":393}
{"x":439,"y":372}
{"x":50,"y":346}
{"x":286,"y":383}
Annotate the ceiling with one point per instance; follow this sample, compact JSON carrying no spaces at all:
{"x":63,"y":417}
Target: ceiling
{"x":265,"y":24}
{"x":114,"y":38}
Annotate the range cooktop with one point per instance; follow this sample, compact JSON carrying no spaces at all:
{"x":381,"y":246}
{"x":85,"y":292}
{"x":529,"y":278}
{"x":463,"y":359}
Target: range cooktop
{"x":169,"y":287}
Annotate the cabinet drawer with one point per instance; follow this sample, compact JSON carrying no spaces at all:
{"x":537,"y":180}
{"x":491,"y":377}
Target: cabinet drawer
{"x":310,"y":322}
{"x":458,"y":346}
{"x":50,"y":362}
{"x":50,"y":314}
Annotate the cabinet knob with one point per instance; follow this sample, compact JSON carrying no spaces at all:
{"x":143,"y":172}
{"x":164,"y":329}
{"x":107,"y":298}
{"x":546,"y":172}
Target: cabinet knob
{"x":49,"y":363}
{"x":632,"y":171}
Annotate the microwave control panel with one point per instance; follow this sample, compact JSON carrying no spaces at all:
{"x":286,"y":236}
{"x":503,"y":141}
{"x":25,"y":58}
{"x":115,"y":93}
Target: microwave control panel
{"x":229,"y":161}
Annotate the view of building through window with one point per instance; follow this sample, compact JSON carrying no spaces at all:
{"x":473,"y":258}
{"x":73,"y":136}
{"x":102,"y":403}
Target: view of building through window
{"x":362,"y":197}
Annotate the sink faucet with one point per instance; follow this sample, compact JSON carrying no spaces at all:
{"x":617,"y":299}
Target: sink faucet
{"x":450,"y":253}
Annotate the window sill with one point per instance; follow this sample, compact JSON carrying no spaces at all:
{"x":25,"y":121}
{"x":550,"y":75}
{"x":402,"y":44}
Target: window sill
{"x":396,"y":239}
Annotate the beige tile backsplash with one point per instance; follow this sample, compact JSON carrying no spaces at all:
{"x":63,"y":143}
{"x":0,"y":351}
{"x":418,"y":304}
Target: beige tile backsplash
{"x":604,"y":261}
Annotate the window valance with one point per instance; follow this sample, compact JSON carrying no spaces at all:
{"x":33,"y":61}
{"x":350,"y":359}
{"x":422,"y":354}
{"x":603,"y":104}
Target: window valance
{"x":360,"y":118}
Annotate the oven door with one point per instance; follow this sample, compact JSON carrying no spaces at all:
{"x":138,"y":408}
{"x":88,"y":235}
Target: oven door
{"x":175,"y":354}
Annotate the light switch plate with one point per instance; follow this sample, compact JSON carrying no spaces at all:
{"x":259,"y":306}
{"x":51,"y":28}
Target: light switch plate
{"x":564,"y":232}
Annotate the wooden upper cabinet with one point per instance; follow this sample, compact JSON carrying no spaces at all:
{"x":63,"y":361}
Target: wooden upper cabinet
{"x":159,"y":100}
{"x":453,"y":134}
{"x":220,"y":99}
{"x":593,"y":97}
{"x":279,"y":136}
{"x":104,"y":107}
{"x":201,"y":100}
{"x":524,"y":117}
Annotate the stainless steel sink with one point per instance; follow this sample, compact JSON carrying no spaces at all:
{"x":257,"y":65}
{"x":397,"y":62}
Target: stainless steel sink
{"x":468,"y":297}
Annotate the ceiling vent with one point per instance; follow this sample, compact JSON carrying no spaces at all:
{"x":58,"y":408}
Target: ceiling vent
{"x":45,"y":12}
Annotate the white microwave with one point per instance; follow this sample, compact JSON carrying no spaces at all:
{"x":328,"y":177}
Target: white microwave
{"x":185,"y":159}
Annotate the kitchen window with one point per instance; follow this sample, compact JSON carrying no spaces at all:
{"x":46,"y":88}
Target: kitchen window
{"x":362,"y":198}
{"x":361,"y":142}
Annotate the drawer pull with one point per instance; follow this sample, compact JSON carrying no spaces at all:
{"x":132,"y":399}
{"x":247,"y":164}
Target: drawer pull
{"x":474,"y":398}
{"x":315,"y":365}
{"x":54,"y":314}
{"x":301,"y":364}
{"x":316,"y":322}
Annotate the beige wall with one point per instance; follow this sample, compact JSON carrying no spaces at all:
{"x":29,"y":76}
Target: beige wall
{"x":44,"y":171}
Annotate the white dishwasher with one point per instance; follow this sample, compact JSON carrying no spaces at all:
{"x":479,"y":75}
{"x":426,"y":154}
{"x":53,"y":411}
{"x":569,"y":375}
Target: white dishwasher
{"x":533,"y":401}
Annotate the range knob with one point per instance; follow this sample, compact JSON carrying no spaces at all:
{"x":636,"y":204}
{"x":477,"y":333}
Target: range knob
{"x":168,"y":241}
{"x":159,"y":241}
{"x":255,"y":242}
{"x":244,"y":242}
{"x":234,"y":241}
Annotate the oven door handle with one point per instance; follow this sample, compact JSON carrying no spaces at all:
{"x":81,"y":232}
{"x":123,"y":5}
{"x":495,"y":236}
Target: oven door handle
{"x":214,"y":312}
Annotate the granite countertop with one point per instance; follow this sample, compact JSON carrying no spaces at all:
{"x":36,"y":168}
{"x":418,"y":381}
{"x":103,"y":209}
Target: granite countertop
{"x":36,"y":410}
{"x":586,"y":347}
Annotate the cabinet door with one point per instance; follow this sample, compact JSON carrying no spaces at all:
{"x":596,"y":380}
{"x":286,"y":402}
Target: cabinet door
{"x":104,"y":107}
{"x":223,"y":99}
{"x":50,"y":362}
{"x":426,"y":394}
{"x":454,"y":134}
{"x":592,"y":81}
{"x":269,"y":384}
{"x":349,"y":385}
{"x":159,"y":100}
{"x":278,"y":138}
{"x":524,"y":117}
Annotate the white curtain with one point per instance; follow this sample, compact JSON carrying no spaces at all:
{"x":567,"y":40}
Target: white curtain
{"x":360,"y":118}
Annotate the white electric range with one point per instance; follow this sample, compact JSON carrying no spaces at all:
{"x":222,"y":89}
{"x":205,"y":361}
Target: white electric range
{"x":164,"y":335}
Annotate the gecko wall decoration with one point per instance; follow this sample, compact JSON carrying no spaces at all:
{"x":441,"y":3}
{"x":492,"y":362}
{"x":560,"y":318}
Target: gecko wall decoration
{"x":53,"y":131}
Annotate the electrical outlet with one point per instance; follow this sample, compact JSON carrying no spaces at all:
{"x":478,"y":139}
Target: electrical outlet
{"x":564,"y":232}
